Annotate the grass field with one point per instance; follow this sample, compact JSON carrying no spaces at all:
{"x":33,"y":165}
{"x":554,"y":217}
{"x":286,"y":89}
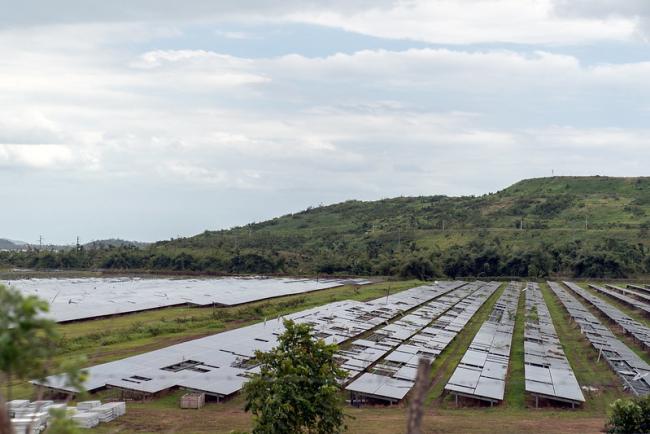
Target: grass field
{"x":109,"y":339}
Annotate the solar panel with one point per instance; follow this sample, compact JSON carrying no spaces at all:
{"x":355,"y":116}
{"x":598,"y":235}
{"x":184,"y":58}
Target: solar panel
{"x":639,"y":331}
{"x":481,"y":373}
{"x":220,"y":364}
{"x":82,"y":298}
{"x":548,"y":373}
{"x":632,"y":370}
{"x":445,"y":315}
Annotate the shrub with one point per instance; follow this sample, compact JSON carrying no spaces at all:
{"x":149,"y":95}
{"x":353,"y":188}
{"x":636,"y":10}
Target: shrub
{"x":626,"y":417}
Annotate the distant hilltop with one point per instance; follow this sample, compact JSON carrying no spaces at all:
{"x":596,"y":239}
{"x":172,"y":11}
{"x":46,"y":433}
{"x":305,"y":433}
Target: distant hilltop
{"x":560,"y":226}
{"x":6,"y":244}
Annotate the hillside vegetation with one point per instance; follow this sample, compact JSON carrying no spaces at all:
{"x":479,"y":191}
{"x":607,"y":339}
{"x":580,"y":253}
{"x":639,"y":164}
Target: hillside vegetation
{"x":579,"y":226}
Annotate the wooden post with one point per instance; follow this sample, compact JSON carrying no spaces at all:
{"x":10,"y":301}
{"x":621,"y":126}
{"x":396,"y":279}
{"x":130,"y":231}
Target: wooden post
{"x":416,"y":406}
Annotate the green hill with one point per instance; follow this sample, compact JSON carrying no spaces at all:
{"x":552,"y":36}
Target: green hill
{"x":582,"y":226}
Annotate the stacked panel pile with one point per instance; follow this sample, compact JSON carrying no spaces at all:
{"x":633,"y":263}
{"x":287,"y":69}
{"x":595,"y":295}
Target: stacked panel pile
{"x":547,"y":370}
{"x":394,"y":376}
{"x":220,"y":364}
{"x":15,"y":406}
{"x":109,"y":411}
{"x":632,"y":370}
{"x":481,"y":374}
{"x":643,"y":296}
{"x":29,"y":416}
{"x":33,"y":417}
{"x":86,"y":420}
{"x":88,"y":405}
{"x":639,"y":331}
{"x":27,"y":425}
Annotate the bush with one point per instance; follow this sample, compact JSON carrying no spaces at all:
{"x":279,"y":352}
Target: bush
{"x":629,"y":416}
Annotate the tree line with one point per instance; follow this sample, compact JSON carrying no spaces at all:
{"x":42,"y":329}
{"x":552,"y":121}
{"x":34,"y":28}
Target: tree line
{"x":610,"y":258}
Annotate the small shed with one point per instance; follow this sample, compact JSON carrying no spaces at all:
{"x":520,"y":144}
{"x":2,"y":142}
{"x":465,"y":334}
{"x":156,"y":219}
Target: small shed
{"x":193,"y":400}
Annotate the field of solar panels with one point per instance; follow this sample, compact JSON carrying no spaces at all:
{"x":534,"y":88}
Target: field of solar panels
{"x":519,"y":356}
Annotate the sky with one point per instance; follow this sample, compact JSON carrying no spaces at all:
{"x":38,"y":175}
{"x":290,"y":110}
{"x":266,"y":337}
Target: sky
{"x":152,"y":119}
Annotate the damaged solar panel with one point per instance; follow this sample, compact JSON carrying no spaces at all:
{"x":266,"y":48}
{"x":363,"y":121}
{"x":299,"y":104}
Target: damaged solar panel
{"x":631,"y":326}
{"x":633,"y":371}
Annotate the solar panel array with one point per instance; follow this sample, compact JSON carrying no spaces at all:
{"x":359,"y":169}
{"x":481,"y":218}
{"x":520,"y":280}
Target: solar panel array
{"x":643,"y":289}
{"x":362,"y":353}
{"x":623,"y":298}
{"x":548,"y":373}
{"x":645,"y":297}
{"x":220,"y":364}
{"x":394,"y":376}
{"x":84,"y":298}
{"x":481,"y":373}
{"x":640,"y":332}
{"x":630,"y":367}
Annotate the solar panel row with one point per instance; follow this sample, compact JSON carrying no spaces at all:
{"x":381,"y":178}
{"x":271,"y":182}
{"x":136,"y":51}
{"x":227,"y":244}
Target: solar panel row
{"x":548,"y":373}
{"x":481,"y":373}
{"x":84,"y":298}
{"x":642,"y":289}
{"x":645,"y":297}
{"x":639,"y":331}
{"x":629,"y":366}
{"x":364,"y":352}
{"x":623,"y":298}
{"x":394,"y":376}
{"x":220,"y":364}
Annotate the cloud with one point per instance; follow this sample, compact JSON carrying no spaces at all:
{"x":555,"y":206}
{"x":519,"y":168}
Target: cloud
{"x":208,"y":139}
{"x":475,"y":21}
{"x":36,"y":156}
{"x":438,"y":21}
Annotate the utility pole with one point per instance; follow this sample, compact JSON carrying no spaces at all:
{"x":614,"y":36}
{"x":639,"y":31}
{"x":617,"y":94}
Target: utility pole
{"x":416,"y":405}
{"x":586,"y":223}
{"x":40,"y":242}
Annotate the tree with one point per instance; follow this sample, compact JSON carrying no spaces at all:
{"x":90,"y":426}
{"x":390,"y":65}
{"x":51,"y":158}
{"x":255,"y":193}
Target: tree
{"x":297,"y":388}
{"x":27,"y":346}
{"x":26,"y":336}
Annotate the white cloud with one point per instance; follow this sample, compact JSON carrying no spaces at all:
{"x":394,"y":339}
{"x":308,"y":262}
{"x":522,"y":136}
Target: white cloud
{"x":186,"y":125}
{"x":36,"y":156}
{"x":475,"y":21}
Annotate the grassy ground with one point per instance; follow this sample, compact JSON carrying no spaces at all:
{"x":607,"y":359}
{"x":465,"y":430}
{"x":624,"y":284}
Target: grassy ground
{"x":164,"y":416}
{"x":515,"y":394}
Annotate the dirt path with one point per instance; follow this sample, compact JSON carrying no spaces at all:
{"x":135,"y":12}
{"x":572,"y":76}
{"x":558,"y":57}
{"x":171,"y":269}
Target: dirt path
{"x":389,"y":420}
